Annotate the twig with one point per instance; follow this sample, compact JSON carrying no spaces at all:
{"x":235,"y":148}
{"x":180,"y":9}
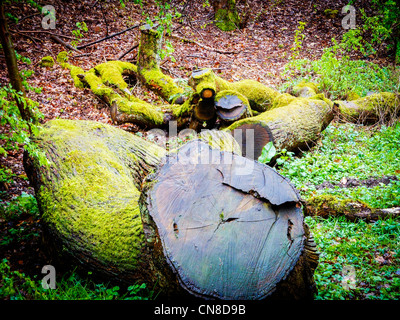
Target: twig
{"x":126,"y":52}
{"x":111,"y":36}
{"x":30,"y":37}
{"x":81,"y":55}
{"x":171,"y":72}
{"x":203,"y":46}
{"x":41,"y":31}
{"x":26,"y":17}
{"x":67,"y":45}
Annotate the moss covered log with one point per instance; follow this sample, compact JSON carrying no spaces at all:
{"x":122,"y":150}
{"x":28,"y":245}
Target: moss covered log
{"x":378,"y":107}
{"x":260,"y":96}
{"x":149,"y":65}
{"x":88,"y":195}
{"x":289,"y":127}
{"x":326,"y":206}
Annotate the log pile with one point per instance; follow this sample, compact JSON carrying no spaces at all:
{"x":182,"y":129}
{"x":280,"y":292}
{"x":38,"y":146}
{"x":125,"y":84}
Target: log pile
{"x":197,"y":222}
{"x":204,"y":220}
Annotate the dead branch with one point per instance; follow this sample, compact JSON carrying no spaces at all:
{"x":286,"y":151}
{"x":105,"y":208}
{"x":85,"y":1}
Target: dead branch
{"x":111,"y":36}
{"x":67,"y":45}
{"x":41,"y":31}
{"x":128,"y":51}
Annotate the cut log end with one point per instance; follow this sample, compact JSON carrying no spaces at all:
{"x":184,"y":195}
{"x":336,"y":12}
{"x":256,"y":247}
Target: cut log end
{"x":237,"y":249}
{"x":231,"y":105}
{"x":252,"y":137}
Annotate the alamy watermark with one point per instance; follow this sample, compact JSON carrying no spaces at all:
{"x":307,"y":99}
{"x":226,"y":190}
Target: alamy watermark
{"x":349,"y":21}
{"x":49,"y":280}
{"x":49,"y":20}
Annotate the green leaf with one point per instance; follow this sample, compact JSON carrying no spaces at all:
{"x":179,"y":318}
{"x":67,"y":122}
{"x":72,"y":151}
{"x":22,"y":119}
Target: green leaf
{"x":267,"y":153}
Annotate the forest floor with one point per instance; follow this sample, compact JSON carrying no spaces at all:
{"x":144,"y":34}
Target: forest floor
{"x":261,"y":49}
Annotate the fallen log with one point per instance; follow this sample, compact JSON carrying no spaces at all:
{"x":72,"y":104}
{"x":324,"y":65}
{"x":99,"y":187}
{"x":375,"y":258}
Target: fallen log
{"x":200,"y":222}
{"x":326,"y":206}
{"x":88,"y":194}
{"x":379,"y":107}
{"x":260,"y":96}
{"x":290,"y":127}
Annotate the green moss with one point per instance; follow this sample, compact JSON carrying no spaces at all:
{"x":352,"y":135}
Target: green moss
{"x":88,"y":196}
{"x":282,"y":100}
{"x":203,"y":79}
{"x":97,"y":86}
{"x":47,"y":62}
{"x":161,"y":83}
{"x":227,"y":19}
{"x":375,"y":106}
{"x":305,"y":89}
{"x":62,"y":57}
{"x":144,"y":112}
{"x":352,"y":96}
{"x":111,"y":72}
{"x":259,"y":95}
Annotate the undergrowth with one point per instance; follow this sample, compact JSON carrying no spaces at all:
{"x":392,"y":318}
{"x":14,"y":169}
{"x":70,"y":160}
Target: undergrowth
{"x":350,"y":151}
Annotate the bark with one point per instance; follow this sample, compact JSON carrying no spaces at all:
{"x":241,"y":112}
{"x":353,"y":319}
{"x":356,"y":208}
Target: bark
{"x":329,"y":206}
{"x":12,"y":66}
{"x":208,"y":223}
{"x":290,"y":127}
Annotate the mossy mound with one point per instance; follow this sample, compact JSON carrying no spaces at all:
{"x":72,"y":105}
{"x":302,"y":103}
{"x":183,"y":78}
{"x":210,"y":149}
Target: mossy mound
{"x":47,"y":62}
{"x":305,"y":89}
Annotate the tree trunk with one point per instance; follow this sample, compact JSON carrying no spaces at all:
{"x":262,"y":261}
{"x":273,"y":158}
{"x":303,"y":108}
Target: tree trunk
{"x":329,"y":206}
{"x":290,"y":127}
{"x":225,"y":14}
{"x":208,"y":223}
{"x":381,"y":107}
{"x":12,"y":66}
{"x":149,"y":65}
{"x":260,"y":96}
{"x":88,"y":195}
